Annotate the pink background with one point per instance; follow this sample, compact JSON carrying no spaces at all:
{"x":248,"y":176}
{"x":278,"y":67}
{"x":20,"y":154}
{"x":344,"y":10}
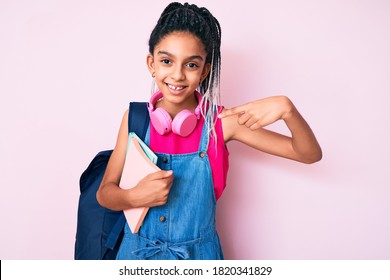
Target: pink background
{"x":69,"y":68}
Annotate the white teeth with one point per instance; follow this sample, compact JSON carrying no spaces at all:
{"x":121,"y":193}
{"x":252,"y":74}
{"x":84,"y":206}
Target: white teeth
{"x":175,"y":88}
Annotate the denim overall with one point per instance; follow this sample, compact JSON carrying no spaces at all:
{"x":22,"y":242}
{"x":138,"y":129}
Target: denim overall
{"x":183,"y":228}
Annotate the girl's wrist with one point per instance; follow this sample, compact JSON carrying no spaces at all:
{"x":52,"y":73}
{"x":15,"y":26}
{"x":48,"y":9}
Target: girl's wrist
{"x":288,"y":108}
{"x":133,"y":200}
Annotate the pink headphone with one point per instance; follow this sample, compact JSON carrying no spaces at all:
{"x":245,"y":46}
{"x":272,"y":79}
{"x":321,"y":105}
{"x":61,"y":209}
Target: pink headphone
{"x":184,"y":122}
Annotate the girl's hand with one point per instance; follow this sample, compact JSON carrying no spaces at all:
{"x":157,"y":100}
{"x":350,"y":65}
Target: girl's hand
{"x":152,"y":190}
{"x":260,"y":113}
{"x":245,"y":123}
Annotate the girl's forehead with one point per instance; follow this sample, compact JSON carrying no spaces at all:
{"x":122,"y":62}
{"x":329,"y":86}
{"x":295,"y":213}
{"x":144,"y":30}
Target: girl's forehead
{"x":181,"y":43}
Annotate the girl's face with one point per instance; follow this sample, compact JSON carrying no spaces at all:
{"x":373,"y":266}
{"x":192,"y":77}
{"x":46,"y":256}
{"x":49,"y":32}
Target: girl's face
{"x":179,"y":65}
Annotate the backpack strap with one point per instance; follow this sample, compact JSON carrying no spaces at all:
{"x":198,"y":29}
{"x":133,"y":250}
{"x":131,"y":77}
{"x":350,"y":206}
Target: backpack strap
{"x":138,"y":122}
{"x":138,"y":118}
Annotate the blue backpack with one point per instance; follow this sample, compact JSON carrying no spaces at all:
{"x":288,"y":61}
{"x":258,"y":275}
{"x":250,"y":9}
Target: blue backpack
{"x":100,"y":230}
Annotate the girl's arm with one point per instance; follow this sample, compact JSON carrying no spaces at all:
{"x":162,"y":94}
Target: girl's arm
{"x":151,"y":191}
{"x":245,"y":123}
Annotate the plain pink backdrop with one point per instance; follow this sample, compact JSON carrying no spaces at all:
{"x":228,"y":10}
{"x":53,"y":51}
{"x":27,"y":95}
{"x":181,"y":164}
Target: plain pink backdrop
{"x":69,"y":68}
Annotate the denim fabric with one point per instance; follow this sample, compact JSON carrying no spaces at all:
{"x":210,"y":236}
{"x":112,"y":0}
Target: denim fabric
{"x":183,"y":228}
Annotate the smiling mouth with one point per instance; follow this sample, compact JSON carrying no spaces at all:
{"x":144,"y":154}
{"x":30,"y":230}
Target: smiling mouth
{"x":174,"y":87}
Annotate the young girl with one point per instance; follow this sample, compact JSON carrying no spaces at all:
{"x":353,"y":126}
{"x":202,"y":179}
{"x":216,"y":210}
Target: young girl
{"x":184,"y":60}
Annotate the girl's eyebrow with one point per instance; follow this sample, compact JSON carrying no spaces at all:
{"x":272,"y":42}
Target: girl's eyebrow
{"x":192,"y":57}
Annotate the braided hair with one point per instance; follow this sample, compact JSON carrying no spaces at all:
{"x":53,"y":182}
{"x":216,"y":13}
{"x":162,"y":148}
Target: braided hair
{"x":201,"y":23}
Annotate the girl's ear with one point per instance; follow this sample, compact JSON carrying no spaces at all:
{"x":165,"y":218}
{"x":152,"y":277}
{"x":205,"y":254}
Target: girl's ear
{"x":206,"y":71}
{"x":150,"y":64}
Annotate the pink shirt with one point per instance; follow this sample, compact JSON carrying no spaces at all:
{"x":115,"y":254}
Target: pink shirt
{"x":218,"y":154}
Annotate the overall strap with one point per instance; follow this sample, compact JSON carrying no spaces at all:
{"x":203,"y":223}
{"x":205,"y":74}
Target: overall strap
{"x":205,"y":137}
{"x":138,"y":122}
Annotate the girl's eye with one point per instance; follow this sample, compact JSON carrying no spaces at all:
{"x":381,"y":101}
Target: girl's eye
{"x":192,"y":65}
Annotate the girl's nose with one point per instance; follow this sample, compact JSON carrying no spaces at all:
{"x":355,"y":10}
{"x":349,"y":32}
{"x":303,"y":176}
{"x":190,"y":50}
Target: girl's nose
{"x":178,"y":73}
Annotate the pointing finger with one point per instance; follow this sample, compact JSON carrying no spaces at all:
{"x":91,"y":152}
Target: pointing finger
{"x":233,"y":111}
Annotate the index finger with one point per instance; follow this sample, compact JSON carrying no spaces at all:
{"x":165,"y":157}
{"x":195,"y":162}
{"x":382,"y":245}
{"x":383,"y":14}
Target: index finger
{"x":161,"y":174}
{"x":232,"y":111}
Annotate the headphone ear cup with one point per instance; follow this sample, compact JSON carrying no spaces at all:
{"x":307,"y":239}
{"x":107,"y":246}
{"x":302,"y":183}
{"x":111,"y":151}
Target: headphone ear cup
{"x":161,"y":121}
{"x":184,"y":123}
